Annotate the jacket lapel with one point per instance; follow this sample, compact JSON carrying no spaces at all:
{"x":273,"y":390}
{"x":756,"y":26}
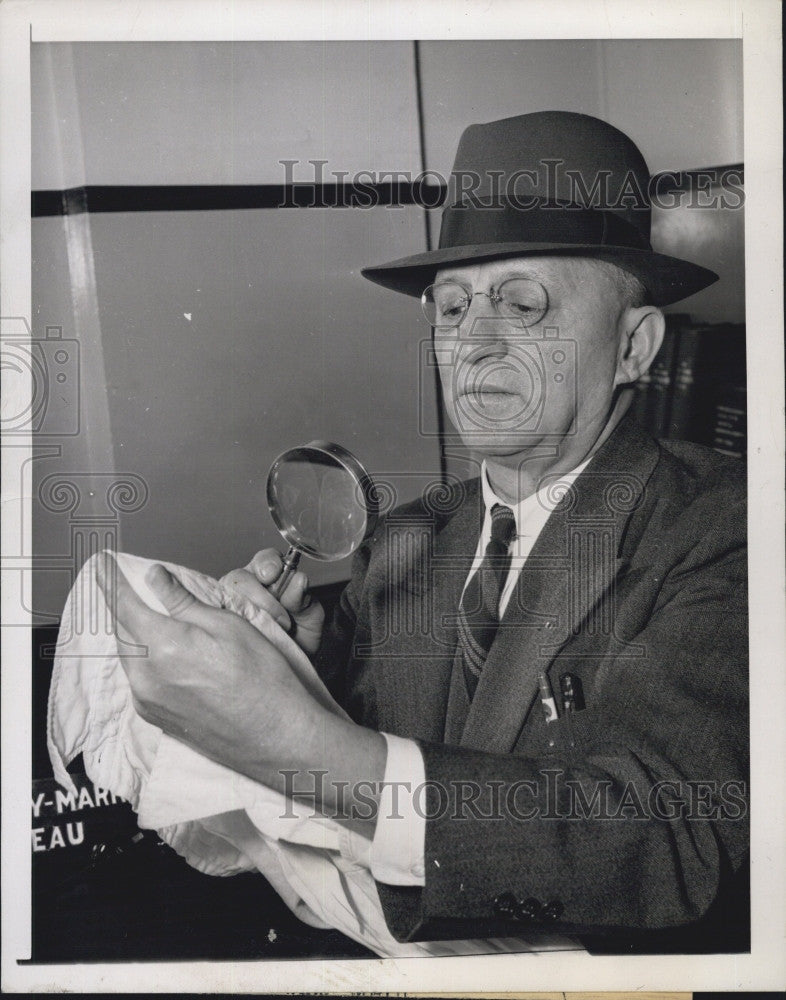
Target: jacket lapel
{"x":566,"y":588}
{"x":417,"y":686}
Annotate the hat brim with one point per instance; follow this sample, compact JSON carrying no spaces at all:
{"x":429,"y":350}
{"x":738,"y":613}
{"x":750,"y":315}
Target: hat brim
{"x":667,"y":279}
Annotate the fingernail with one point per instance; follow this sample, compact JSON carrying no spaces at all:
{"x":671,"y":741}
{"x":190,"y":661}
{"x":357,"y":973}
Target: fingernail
{"x":268,"y":568}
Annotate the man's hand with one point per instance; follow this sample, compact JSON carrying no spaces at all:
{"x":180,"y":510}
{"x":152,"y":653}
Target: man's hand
{"x":212,"y":681}
{"x":295,"y":612}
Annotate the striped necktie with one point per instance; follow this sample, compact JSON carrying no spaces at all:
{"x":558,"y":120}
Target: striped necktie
{"x":479,"y":607}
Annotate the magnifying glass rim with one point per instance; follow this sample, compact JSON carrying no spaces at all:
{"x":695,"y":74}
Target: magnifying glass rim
{"x":352,"y":465}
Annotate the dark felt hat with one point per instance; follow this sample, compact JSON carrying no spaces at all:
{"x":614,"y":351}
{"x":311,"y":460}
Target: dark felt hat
{"x":552,"y":183}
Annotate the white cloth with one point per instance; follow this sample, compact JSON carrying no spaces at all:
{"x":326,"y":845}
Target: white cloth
{"x":397,"y":854}
{"x":399,"y":859}
{"x":221,"y":822}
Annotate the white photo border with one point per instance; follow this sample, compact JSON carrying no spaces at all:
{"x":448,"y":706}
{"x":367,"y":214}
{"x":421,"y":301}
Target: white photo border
{"x":757,"y":22}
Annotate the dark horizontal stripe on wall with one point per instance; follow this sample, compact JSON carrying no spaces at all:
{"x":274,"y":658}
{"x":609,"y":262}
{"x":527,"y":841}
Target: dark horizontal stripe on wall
{"x":730,"y":175}
{"x":216,"y":197}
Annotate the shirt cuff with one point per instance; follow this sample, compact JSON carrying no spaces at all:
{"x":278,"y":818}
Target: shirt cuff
{"x":397,"y":854}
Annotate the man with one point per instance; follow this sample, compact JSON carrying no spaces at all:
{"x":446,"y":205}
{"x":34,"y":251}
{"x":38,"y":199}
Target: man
{"x":546,"y":664}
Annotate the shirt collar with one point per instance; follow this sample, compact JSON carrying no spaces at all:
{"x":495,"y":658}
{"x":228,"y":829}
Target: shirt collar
{"x":540,"y":504}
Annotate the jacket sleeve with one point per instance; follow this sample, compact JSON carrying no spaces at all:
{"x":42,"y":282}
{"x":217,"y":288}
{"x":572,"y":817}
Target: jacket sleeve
{"x":334,"y":658}
{"x":634,"y":814}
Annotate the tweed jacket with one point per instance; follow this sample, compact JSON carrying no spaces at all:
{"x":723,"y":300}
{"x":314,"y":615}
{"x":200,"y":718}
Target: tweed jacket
{"x":626,"y":814}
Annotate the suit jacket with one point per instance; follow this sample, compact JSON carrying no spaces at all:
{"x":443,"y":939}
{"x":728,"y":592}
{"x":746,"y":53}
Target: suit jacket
{"x":627,"y":814}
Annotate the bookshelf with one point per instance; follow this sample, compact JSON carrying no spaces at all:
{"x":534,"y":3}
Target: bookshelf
{"x":695,"y":389}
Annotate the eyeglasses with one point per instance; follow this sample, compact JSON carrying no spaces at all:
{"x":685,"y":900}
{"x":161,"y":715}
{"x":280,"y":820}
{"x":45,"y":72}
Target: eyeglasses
{"x":446,"y":303}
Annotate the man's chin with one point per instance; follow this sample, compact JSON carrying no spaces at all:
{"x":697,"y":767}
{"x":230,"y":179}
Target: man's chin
{"x":499,"y":444}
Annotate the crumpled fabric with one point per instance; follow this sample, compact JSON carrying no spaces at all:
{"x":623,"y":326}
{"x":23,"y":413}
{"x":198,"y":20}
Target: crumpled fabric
{"x":221,"y":822}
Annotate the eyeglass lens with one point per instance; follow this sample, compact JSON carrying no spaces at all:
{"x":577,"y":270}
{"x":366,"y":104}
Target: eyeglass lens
{"x":446,"y":303}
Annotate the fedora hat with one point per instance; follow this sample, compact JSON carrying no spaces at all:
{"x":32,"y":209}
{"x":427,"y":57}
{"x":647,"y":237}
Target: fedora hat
{"x":552,"y":183}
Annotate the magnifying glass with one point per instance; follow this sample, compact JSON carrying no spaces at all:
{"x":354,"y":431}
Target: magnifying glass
{"x":322,"y":502}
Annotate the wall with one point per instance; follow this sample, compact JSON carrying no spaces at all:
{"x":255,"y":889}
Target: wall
{"x":224,"y":336}
{"x":680,"y":101}
{"x":220,"y":113}
{"x":212,"y":340}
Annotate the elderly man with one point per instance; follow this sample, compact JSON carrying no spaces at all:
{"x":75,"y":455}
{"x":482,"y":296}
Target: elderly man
{"x":558,"y":739}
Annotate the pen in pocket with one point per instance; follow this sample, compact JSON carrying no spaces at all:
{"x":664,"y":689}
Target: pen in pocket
{"x":572,"y":693}
{"x":550,"y":713}
{"x":568,"y":691}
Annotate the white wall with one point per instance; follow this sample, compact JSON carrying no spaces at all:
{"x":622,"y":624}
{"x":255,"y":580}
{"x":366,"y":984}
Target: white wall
{"x":213,"y":113}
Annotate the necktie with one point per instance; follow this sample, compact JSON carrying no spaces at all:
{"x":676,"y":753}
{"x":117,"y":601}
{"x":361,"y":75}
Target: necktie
{"x":479,"y":608}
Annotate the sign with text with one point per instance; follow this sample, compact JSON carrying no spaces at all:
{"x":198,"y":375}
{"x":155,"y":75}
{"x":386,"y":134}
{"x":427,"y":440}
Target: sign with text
{"x":68,"y":827}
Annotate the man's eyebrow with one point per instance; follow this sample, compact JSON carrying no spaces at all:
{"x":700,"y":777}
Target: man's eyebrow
{"x":519,"y":271}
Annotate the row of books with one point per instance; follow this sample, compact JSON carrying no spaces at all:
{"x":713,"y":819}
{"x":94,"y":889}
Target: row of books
{"x":695,"y":388}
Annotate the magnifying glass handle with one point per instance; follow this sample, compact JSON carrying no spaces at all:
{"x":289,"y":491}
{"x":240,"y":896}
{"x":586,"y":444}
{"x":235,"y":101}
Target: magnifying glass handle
{"x":291,"y":560}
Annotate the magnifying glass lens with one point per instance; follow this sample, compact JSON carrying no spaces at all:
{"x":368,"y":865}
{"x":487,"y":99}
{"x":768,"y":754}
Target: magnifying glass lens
{"x":318,"y":497}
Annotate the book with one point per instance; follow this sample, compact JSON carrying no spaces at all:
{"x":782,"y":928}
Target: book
{"x":662,"y":372}
{"x":695,"y":388}
{"x":654,"y":389}
{"x":730,"y":431}
{"x":709,"y":395}
{"x":685,"y":414}
{"x":725,"y":386}
{"x":639,"y":404}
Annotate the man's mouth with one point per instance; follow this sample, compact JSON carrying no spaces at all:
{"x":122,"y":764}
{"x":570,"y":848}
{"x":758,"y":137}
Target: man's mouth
{"x":489,"y":388}
{"x":486,"y":390}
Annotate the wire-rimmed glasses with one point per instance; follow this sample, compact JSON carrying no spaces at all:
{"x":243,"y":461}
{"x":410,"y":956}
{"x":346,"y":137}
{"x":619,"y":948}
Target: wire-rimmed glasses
{"x":446,"y":303}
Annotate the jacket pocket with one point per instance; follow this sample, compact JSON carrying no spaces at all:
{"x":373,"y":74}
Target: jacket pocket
{"x":572,"y":732}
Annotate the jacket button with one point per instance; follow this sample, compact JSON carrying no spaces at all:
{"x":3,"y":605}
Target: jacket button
{"x":528,"y":910}
{"x":505,"y":905}
{"x":552,"y":910}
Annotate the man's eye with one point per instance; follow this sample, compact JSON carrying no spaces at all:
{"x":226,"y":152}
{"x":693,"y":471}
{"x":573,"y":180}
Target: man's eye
{"x":523,"y":308}
{"x":452,"y":309}
{"x":524,"y":299}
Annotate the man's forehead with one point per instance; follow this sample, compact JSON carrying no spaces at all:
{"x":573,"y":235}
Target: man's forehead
{"x":555,"y":268}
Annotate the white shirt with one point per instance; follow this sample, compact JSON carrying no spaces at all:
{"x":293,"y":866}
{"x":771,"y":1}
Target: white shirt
{"x":397,"y":853}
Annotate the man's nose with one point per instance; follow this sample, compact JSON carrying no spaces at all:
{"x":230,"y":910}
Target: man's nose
{"x":485,"y":333}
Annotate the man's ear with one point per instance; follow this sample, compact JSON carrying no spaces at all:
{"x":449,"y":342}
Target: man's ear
{"x":641,"y":334}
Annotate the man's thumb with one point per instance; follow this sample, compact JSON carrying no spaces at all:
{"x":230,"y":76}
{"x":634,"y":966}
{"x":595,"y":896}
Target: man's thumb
{"x":172,"y":594}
